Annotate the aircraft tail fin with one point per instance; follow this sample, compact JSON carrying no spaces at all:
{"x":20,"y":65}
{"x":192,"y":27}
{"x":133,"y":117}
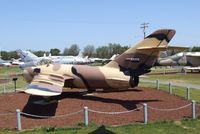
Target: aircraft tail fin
{"x":80,"y":54}
{"x":114,"y":56}
{"x":139,"y":59}
{"x":26,"y":56}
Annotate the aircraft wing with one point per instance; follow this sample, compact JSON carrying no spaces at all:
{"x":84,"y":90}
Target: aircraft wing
{"x":47,"y":84}
{"x":177,"y":48}
{"x":193,"y":55}
{"x":192,"y":68}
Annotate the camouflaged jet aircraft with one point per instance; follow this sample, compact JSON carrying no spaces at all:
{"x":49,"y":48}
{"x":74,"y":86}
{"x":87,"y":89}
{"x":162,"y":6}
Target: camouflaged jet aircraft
{"x":189,"y":60}
{"x":122,"y":72}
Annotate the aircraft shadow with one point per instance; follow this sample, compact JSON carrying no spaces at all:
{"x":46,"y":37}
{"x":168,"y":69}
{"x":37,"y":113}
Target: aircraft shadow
{"x":101,"y":130}
{"x":50,"y":108}
{"x":128,"y":104}
{"x":38,"y":109}
{"x":123,"y":90}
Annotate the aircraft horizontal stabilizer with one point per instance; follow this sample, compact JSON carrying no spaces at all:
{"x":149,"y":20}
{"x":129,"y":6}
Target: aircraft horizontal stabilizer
{"x":152,"y":48}
{"x":190,"y":55}
{"x":192,"y":68}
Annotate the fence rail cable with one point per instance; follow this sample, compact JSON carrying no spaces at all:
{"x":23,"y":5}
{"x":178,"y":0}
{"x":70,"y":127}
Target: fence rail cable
{"x":171,"y":109}
{"x":123,"y":112}
{"x":58,"y":116}
{"x":4,"y":114}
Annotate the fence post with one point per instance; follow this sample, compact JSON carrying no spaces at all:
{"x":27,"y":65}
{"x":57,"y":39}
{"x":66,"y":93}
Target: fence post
{"x":157,"y":84}
{"x":145,"y":113}
{"x":188,"y":93}
{"x":85,"y":110}
{"x":4,"y":88}
{"x":193,"y":109}
{"x":170,"y":88}
{"x":19,"y":126}
{"x":164,"y":71}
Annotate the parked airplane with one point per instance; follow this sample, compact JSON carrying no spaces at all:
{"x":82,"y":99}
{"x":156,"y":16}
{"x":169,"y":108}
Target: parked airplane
{"x":32,"y":60}
{"x":190,"y":60}
{"x":103,"y":60}
{"x":123,"y":72}
{"x":16,"y":61}
{"x":4,"y":63}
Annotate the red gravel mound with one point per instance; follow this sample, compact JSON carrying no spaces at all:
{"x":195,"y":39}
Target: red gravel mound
{"x":73,"y":100}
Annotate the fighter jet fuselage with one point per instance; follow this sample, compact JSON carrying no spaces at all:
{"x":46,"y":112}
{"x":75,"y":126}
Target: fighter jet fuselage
{"x":122,"y":72}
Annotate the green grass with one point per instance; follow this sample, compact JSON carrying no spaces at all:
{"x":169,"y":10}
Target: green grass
{"x":179,"y":91}
{"x":175,"y":77}
{"x":191,"y":78}
{"x":186,"y":126}
{"x":9,"y":70}
{"x":9,"y":73}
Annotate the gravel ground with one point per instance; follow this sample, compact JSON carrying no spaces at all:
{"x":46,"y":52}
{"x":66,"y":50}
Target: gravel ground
{"x":73,"y":100}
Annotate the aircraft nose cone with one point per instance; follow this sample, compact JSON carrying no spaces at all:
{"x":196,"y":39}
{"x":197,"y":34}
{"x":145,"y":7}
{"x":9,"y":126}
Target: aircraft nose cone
{"x":28,"y":74}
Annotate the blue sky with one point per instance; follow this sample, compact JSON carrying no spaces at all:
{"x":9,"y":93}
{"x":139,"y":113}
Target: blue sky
{"x":45,"y":24}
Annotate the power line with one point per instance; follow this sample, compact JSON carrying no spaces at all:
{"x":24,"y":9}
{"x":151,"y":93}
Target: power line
{"x":144,"y":26}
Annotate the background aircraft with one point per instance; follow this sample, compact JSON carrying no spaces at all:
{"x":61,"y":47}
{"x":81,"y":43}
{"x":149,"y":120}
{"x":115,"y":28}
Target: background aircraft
{"x":103,"y":60}
{"x":122,"y":72}
{"x":190,"y":60}
{"x":4,"y":63}
{"x":30,"y":59}
{"x":16,"y":61}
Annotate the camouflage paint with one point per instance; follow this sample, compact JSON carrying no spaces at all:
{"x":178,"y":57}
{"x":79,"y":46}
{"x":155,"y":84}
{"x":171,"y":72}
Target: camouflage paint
{"x":50,"y":79}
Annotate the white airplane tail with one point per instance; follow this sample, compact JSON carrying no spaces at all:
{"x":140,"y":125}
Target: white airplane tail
{"x":80,"y":54}
{"x":26,"y":56}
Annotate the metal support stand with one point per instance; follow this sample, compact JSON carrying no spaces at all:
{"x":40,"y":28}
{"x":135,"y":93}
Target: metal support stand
{"x":170,"y":88}
{"x":193,"y":109}
{"x":85,"y":110}
{"x":19,"y":126}
{"x":145,"y":113}
{"x":157,"y":84}
{"x":188,"y":93}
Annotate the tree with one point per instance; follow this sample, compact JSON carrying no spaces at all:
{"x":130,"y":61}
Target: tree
{"x":89,"y":51}
{"x":196,"y":49}
{"x":39,"y":53}
{"x":115,"y":48}
{"x":110,"y":50}
{"x":55,"y":52}
{"x":9,"y":55}
{"x":102,"y":52}
{"x":73,"y":50}
{"x":4,"y":55}
{"x":66,"y":51}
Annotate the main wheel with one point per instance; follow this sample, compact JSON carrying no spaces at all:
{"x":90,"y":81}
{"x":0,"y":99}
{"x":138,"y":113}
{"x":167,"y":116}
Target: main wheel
{"x":134,"y":81}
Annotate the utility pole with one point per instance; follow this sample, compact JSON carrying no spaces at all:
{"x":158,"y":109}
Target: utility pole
{"x":144,"y":26}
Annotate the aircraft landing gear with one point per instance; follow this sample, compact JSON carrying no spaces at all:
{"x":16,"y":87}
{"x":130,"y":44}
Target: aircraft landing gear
{"x":90,"y":90}
{"x":134,"y":81}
